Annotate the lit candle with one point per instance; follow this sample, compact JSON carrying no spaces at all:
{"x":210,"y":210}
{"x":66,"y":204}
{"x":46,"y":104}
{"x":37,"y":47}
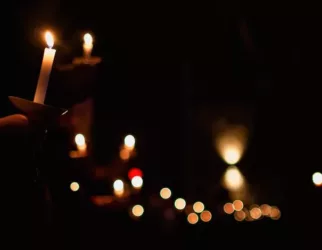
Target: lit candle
{"x":81,"y":144}
{"x":47,"y":64}
{"x":88,"y":45}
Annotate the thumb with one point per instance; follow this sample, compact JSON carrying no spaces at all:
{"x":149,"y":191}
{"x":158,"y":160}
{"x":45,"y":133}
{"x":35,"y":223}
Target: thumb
{"x":13,"y":122}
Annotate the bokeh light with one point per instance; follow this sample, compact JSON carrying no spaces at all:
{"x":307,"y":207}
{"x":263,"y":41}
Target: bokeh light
{"x":238,"y":205}
{"x":80,"y":140}
{"x":134,"y":172}
{"x":229,"y":208}
{"x":206,"y":216}
{"x":240,"y":215}
{"x":129,"y":141}
{"x":255,"y":213}
{"x":137,"y":210}
{"x":198,"y":207}
{"x":275,"y":213}
{"x":125,"y":154}
{"x":165,"y":193}
{"x":317,"y":179}
{"x":231,"y":143}
{"x":192,"y":218}
{"x":118,"y":185}
{"x":180,"y":204}
{"x":266,"y":210}
{"x":231,"y":155}
{"x":74,"y":186}
{"x":233,"y":179}
{"x":137,"y":182}
{"x":88,"y":39}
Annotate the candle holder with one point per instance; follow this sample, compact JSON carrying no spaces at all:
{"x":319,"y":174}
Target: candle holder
{"x":40,"y":117}
{"x":39,"y":113}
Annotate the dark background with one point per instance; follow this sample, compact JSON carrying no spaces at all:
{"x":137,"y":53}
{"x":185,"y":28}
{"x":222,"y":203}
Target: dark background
{"x":169,"y":71}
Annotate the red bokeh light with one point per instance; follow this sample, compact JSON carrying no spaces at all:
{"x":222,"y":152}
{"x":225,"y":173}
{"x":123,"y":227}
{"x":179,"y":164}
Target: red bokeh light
{"x":135,"y":172}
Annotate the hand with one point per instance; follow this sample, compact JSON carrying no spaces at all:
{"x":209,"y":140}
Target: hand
{"x":13,"y":141}
{"x":18,"y":167}
{"x":13,"y":123}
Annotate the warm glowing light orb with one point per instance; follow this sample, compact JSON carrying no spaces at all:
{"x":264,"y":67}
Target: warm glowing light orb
{"x":118,"y":185}
{"x":180,"y":204}
{"x":137,"y":181}
{"x":317,"y":179}
{"x":129,"y":141}
{"x":233,"y":179}
{"x":137,"y":210}
{"x":165,"y":193}
{"x":88,"y":39}
{"x":80,"y":140}
{"x":198,"y":207}
{"x":74,"y":186}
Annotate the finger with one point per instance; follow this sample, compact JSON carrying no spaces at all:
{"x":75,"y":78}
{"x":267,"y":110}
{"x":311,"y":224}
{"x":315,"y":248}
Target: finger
{"x":13,"y":121}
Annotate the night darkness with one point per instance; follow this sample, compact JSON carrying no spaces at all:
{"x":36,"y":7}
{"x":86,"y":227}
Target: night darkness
{"x":167,"y":75}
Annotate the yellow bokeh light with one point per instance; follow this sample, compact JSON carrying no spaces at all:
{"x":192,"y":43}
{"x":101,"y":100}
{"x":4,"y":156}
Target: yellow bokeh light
{"x":80,"y":140}
{"x":231,"y":155}
{"x":193,"y":218}
{"x":125,"y":154}
{"x":255,"y":213}
{"x":266,"y":209}
{"x":49,"y":38}
{"x":275,"y":213}
{"x":137,"y":210}
{"x":233,"y":179}
{"x":137,"y":181}
{"x":229,"y":208}
{"x":231,"y":143}
{"x":317,"y":179}
{"x":165,"y":193}
{"x":198,"y":207}
{"x":118,"y":185}
{"x":88,"y":39}
{"x":180,"y":204}
{"x":240,"y":215}
{"x":206,"y":216}
{"x":248,"y":216}
{"x":238,"y":205}
{"x":74,"y":186}
{"x":129,"y":141}
{"x":119,"y":193}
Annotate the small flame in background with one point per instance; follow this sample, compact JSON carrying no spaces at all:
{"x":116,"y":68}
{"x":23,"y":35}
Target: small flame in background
{"x":88,"y":39}
{"x":230,"y":142}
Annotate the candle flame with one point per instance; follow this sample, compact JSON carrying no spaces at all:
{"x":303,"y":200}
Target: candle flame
{"x":49,"y":39}
{"x":88,"y":39}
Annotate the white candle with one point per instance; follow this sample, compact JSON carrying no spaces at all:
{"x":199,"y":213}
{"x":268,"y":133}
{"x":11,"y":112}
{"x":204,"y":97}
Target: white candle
{"x":47,"y":64}
{"x":88,"y":45}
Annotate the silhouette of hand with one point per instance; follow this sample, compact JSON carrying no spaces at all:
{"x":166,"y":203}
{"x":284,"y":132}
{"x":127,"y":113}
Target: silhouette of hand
{"x":14,"y":145}
{"x":13,"y":123}
{"x":17,"y":168}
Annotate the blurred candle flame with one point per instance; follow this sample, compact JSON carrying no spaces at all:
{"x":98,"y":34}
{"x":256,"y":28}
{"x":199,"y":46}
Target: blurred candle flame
{"x":49,"y":39}
{"x":231,"y":142}
{"x":88,"y":39}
